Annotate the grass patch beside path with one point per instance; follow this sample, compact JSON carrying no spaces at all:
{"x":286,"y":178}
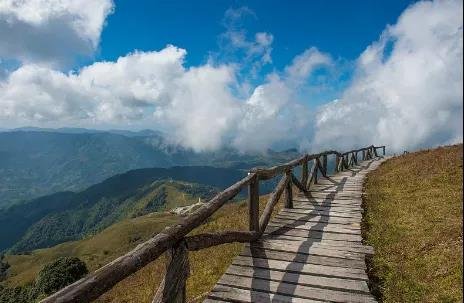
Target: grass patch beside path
{"x":206,"y":265}
{"x":414,"y":222}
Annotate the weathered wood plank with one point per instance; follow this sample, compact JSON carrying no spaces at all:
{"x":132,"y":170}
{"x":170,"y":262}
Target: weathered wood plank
{"x":304,"y":246}
{"x":300,"y":279}
{"x":299,"y":291}
{"x":269,"y":250}
{"x":314,"y":234}
{"x":283,"y":255}
{"x":315,"y":224}
{"x":318,"y":218}
{"x":234,"y":294}
{"x":314,"y":227}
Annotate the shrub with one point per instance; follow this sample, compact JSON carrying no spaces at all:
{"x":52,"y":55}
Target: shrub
{"x":60,"y":273}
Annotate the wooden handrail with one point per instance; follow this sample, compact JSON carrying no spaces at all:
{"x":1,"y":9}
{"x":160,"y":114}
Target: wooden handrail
{"x":175,"y":241}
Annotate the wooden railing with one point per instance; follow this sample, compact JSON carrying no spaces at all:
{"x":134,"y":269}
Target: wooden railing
{"x":175,"y":242}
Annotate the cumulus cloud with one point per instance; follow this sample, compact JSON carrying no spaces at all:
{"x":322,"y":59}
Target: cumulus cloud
{"x":51,"y":31}
{"x":274,"y":112}
{"x":196,"y":106}
{"x":407,"y":92}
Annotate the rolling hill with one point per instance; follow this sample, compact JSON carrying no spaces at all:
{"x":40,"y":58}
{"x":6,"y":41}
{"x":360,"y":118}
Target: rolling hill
{"x":36,"y":162}
{"x":66,"y":216}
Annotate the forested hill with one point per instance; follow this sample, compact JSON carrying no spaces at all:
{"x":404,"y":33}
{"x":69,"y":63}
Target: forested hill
{"x":65,"y":216}
{"x":36,"y":162}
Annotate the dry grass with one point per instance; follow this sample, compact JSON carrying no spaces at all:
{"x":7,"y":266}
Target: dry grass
{"x":206,"y":265}
{"x":414,"y":222}
{"x":95,"y":251}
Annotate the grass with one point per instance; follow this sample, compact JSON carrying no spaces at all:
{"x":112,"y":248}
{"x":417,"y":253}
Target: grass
{"x":206,"y":266}
{"x":414,"y":222}
{"x":95,"y":250}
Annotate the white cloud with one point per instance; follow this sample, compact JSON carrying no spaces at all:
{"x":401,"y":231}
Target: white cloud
{"x":407,"y":92}
{"x":51,"y":31}
{"x":273,"y":112}
{"x":196,"y":106}
{"x":254,"y":51}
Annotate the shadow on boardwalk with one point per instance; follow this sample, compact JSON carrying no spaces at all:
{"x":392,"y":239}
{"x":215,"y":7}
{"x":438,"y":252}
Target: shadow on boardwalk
{"x":292,"y":272}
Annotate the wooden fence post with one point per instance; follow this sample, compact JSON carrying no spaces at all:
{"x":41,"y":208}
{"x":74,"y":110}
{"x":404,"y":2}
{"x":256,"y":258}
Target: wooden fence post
{"x":172,"y":288}
{"x":304,"y":173}
{"x":337,"y":162}
{"x":288,"y":191}
{"x":253,"y":204}
{"x":324,"y":165}
{"x":383,"y":149}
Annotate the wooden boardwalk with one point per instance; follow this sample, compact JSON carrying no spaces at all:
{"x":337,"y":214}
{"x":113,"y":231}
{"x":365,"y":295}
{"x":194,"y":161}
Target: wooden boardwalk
{"x":312,"y":252}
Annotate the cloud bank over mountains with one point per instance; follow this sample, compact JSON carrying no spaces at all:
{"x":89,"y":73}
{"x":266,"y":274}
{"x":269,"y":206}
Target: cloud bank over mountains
{"x":406,"y":91}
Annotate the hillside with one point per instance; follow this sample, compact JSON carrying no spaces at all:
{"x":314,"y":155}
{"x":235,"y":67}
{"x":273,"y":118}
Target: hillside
{"x":36,"y":162}
{"x":66,"y":216}
{"x":206,"y":265}
{"x":95,"y":250}
{"x":414,"y":222}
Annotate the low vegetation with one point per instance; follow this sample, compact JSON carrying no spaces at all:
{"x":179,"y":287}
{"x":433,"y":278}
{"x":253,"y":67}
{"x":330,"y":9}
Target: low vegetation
{"x":414,"y":222}
{"x":52,"y":277}
{"x":206,"y":265}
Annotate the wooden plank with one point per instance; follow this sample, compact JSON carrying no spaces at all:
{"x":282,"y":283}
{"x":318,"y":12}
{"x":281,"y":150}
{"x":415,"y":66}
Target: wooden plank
{"x":324,"y":201}
{"x":299,"y":291}
{"x":304,"y":223}
{"x":313,"y":234}
{"x":233,"y":294}
{"x":283,"y":255}
{"x":300,"y":279}
{"x":321,"y":241}
{"x":331,"y":213}
{"x":328,"y":207}
{"x":318,"y":218}
{"x":317,"y":254}
{"x":337,"y":207}
{"x":304,"y":245}
{"x":315,"y":227}
{"x":270,"y":250}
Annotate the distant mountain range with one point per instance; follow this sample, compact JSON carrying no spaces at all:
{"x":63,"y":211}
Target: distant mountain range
{"x":36,"y":161}
{"x":67,"y":215}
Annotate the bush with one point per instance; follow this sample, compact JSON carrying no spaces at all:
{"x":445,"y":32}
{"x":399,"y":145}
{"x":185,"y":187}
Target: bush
{"x":60,"y":273}
{"x":3,"y":267}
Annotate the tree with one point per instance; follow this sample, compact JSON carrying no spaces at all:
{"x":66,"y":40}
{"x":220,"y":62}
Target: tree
{"x":60,"y":273}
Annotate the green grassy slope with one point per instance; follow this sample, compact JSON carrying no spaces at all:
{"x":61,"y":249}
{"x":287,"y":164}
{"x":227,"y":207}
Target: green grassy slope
{"x":95,"y":250}
{"x":206,"y":265}
{"x":67,"y":216}
{"x":414,"y":222}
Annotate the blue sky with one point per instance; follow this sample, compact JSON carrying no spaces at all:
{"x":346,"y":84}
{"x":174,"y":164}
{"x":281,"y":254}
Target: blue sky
{"x":341,"y":28}
{"x":254,"y":74}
